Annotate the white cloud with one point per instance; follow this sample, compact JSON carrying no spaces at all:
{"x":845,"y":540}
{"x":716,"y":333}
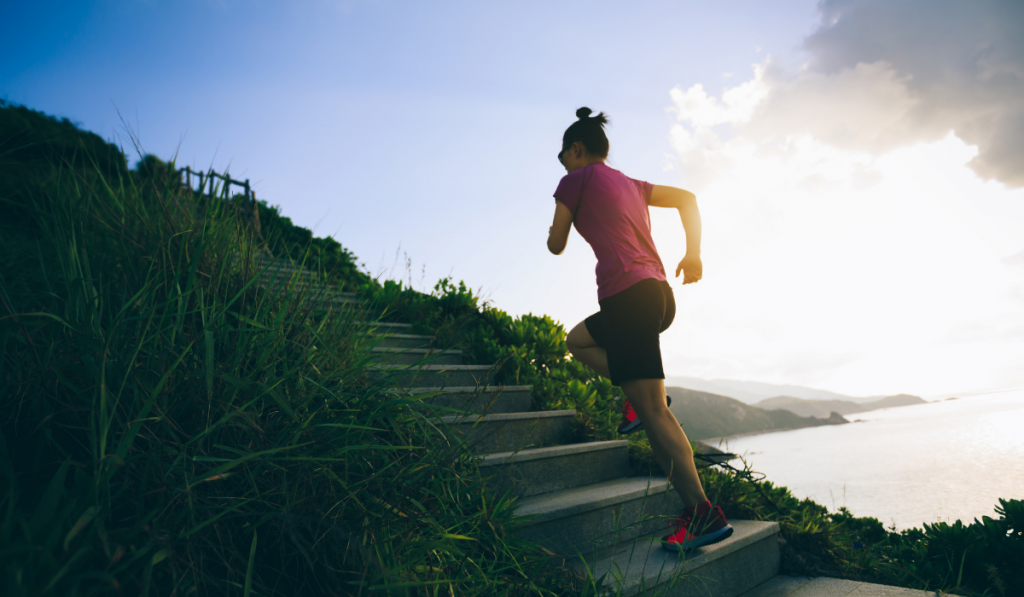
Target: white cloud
{"x":962,"y":63}
{"x":837,"y":254}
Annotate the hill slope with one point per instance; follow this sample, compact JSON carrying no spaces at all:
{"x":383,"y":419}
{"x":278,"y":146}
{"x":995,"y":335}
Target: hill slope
{"x":751,"y":392}
{"x":822,"y":408}
{"x":704,"y":415}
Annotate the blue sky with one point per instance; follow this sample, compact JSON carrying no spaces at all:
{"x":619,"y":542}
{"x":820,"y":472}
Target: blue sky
{"x":433,"y":127}
{"x":348,"y":112}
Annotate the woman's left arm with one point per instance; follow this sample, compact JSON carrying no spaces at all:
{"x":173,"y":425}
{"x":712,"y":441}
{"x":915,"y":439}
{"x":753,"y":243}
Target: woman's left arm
{"x":558,"y":233}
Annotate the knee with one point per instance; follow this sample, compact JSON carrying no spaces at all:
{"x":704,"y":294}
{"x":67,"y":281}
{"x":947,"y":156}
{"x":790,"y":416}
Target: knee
{"x":657,"y":408}
{"x":577,"y":341}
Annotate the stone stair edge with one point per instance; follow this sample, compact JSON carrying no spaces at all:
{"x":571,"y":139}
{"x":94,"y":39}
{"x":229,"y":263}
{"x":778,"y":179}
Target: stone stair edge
{"x":464,"y":389}
{"x":385,"y":324}
{"x":431,"y":351}
{"x":433,"y":368}
{"x":659,"y":566}
{"x":500,"y":458}
{"x":498,"y":417}
{"x":578,"y":500}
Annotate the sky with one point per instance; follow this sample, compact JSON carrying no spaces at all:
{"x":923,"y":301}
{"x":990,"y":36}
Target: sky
{"x":858,"y":163}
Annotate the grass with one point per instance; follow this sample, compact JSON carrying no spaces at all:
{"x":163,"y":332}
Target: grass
{"x":172,"y":428}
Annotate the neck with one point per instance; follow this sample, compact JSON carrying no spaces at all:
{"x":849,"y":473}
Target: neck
{"x":589,"y":162}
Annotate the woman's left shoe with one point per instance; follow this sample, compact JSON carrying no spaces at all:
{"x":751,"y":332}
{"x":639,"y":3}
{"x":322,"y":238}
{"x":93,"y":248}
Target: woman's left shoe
{"x":697,"y":527}
{"x":631,"y":422}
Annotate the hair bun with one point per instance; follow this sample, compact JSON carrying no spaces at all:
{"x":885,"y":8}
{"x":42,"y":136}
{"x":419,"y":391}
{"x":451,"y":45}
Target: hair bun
{"x":583,"y":113}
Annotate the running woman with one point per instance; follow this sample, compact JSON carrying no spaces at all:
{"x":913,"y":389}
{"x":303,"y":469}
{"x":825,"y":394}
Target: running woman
{"x":621,"y":341}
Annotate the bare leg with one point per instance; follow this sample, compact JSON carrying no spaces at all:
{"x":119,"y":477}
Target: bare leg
{"x":671,"y":448}
{"x":585,"y":350}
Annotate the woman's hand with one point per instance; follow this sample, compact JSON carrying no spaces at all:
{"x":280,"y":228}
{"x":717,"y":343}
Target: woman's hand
{"x":692,"y":268}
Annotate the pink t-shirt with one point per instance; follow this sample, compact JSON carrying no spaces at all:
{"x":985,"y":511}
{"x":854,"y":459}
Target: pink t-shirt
{"x":612,"y":216}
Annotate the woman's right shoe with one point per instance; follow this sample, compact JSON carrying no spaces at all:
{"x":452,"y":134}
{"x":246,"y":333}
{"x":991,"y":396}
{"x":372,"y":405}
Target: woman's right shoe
{"x":697,"y":527}
{"x":631,"y":422}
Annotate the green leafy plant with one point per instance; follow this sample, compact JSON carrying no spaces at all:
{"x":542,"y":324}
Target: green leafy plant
{"x":172,"y":428}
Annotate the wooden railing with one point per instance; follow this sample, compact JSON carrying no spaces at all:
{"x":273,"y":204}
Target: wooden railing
{"x":209,"y":178}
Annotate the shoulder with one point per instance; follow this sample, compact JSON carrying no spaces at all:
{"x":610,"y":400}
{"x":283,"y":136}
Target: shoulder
{"x":573,"y":177}
{"x":569,"y":186}
{"x":643,"y":187}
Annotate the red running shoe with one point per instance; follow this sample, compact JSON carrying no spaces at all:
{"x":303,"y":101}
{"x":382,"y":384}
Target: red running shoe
{"x":631,"y":422}
{"x":696,"y":528}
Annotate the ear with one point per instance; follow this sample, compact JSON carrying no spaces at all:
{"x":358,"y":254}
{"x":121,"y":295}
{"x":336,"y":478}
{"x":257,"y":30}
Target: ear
{"x":578,"y":149}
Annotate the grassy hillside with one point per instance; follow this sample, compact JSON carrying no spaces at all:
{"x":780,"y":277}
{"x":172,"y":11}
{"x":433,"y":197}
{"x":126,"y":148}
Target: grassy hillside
{"x":170,"y":428}
{"x":705,"y":415}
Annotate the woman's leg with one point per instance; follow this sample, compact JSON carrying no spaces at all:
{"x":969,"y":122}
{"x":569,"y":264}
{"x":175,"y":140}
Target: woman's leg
{"x":671,"y":448}
{"x":585,"y":350}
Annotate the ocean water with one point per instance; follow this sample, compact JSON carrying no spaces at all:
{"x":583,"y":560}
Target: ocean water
{"x":940,"y":461}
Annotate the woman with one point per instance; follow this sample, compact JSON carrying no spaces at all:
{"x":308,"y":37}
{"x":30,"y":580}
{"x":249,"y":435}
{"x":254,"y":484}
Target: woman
{"x":620,"y":341}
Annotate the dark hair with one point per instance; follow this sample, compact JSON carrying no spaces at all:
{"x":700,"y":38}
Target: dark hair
{"x":588,"y":130}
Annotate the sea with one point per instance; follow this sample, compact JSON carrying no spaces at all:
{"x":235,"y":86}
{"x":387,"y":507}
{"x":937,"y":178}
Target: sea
{"x":937,"y":462}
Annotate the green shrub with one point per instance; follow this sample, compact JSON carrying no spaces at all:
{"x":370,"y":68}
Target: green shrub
{"x":982,"y":558}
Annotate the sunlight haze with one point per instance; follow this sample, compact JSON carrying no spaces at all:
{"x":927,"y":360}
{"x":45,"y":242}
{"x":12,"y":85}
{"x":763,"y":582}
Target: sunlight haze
{"x":862,"y":195}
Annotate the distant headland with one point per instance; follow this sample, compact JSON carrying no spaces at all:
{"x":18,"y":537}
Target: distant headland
{"x":706,"y":416}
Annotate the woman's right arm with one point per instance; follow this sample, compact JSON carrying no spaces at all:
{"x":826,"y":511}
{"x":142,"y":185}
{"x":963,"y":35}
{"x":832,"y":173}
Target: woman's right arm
{"x":686,"y":203}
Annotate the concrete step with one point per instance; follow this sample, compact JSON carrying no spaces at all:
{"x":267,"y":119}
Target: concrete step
{"x":538,"y":471}
{"x":308,"y":286}
{"x":488,"y":399}
{"x":319,"y":293}
{"x":384,"y":327}
{"x":403,"y":341}
{"x":317,"y":290}
{"x":314,"y":286}
{"x":328,"y":301}
{"x":729,"y":568}
{"x":594,"y":518}
{"x":442,"y":376}
{"x":413,"y":356}
{"x":275,"y":265}
{"x":800,"y":586}
{"x":508,"y":432}
{"x":288,"y":273}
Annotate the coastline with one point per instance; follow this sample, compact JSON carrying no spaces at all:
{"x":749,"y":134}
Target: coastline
{"x":715,"y":442}
{"x":885,"y":468}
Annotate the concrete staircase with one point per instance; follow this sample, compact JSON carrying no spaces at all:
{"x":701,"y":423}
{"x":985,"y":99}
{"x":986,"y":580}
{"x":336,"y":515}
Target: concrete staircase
{"x":580,"y":500}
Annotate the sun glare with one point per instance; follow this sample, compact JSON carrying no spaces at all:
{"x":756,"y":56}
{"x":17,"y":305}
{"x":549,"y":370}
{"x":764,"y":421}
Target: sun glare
{"x":867,"y":272}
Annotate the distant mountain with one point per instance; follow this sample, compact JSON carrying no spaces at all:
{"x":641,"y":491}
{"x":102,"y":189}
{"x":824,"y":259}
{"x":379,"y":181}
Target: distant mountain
{"x":704,"y":385}
{"x":704,"y":415}
{"x":823,"y":408}
{"x":751,"y":392}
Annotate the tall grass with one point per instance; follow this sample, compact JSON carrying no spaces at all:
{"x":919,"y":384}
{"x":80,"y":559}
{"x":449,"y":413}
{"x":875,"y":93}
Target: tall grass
{"x":171,"y":428}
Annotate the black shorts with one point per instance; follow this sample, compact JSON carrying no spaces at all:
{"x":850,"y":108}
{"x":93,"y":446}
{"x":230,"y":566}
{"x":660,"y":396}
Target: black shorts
{"x":627,"y":327}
